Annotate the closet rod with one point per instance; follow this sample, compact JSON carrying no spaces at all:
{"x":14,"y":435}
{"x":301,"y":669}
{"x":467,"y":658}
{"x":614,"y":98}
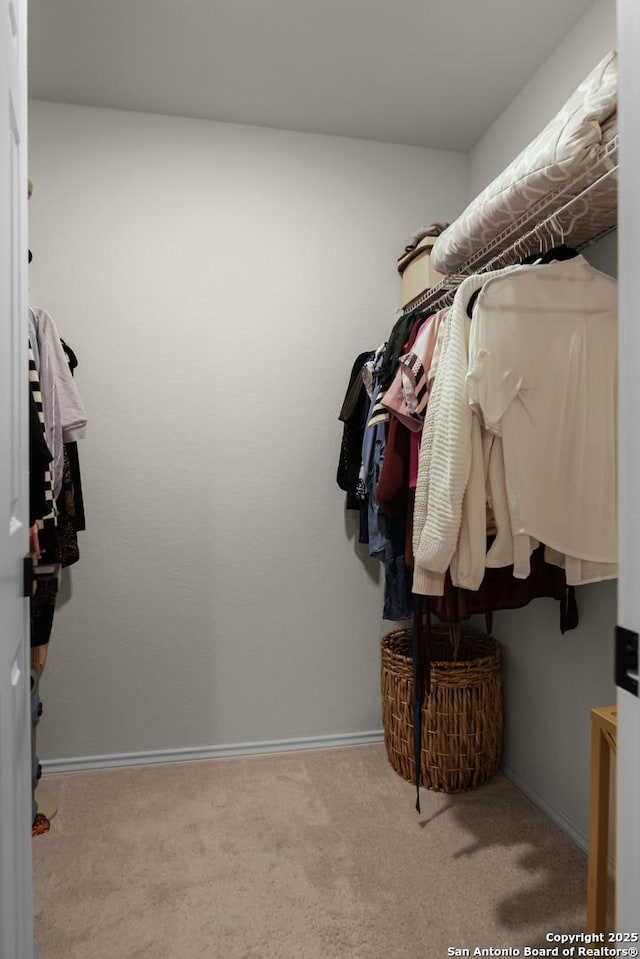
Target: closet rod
{"x":517,"y":240}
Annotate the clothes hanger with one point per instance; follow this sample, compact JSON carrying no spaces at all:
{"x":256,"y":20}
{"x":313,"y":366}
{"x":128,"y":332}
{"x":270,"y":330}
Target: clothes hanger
{"x":555,"y":252}
{"x":472,"y":302}
{"x":559,"y":251}
{"x":533,"y":258}
{"x":517,"y":247}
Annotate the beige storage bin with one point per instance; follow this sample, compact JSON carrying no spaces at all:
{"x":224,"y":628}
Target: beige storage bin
{"x":416,"y":270}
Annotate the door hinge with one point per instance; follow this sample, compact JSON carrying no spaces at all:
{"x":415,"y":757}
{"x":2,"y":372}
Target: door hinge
{"x":27,"y":576}
{"x":627,"y":660}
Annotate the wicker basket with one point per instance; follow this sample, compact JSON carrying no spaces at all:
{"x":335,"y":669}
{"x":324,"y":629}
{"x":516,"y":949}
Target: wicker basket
{"x":462,"y":716}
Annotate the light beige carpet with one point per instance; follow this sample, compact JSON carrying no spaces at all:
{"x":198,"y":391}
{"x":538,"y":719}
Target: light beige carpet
{"x":304,"y":855}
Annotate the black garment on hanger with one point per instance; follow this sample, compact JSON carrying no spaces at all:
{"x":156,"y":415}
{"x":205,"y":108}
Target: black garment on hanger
{"x":67,"y":551}
{"x":353,"y":415}
{"x":71,"y":450}
{"x":395,"y":344}
{"x":79,"y":520}
{"x":560,"y":252}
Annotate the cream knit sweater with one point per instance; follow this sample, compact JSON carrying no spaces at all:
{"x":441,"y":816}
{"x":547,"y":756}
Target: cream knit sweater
{"x":449,"y":527}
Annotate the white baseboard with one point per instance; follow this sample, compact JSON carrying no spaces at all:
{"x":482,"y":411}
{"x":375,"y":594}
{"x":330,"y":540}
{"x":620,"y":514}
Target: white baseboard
{"x":187,"y":754}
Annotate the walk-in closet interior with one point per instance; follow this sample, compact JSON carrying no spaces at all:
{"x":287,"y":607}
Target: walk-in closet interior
{"x":220,"y":197}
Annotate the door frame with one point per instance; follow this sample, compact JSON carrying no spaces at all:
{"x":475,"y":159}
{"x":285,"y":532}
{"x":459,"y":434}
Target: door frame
{"x":628,"y":616}
{"x":16,"y":881}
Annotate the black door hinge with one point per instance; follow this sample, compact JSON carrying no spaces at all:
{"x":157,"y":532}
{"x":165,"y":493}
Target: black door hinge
{"x":27,"y":575}
{"x":627,"y":660}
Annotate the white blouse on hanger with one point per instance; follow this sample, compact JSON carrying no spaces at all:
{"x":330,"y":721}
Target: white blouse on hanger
{"x":64,"y":413}
{"x":542,"y":376}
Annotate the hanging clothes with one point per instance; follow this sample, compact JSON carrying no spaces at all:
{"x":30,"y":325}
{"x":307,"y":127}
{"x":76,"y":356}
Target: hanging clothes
{"x":41,"y":481}
{"x":511,"y":395}
{"x":543,"y":377}
{"x":39,"y":465}
{"x":450,"y":505}
{"x":393,"y":487}
{"x":373,"y":450}
{"x":522,"y":414}
{"x":353,"y":416}
{"x":43,"y":512}
{"x":64,"y":412}
{"x":384,"y":535}
{"x":67,"y":550}
{"x":394,"y":347}
{"x":500,"y":589}
{"x":71,"y":448}
{"x":57,"y":416}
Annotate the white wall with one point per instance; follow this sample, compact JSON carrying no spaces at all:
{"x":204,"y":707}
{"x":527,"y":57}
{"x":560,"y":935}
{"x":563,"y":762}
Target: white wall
{"x":531,"y":109}
{"x":216,"y":282}
{"x":552,"y":681}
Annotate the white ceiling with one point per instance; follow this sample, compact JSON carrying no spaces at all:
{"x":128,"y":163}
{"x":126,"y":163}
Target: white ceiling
{"x":426,"y":72}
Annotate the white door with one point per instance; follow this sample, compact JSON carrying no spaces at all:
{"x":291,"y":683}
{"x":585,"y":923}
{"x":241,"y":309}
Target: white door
{"x":16,"y":922}
{"x":628,"y":765}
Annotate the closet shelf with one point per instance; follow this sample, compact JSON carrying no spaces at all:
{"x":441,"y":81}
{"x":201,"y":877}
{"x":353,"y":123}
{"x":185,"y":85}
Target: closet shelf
{"x":578,"y":213}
